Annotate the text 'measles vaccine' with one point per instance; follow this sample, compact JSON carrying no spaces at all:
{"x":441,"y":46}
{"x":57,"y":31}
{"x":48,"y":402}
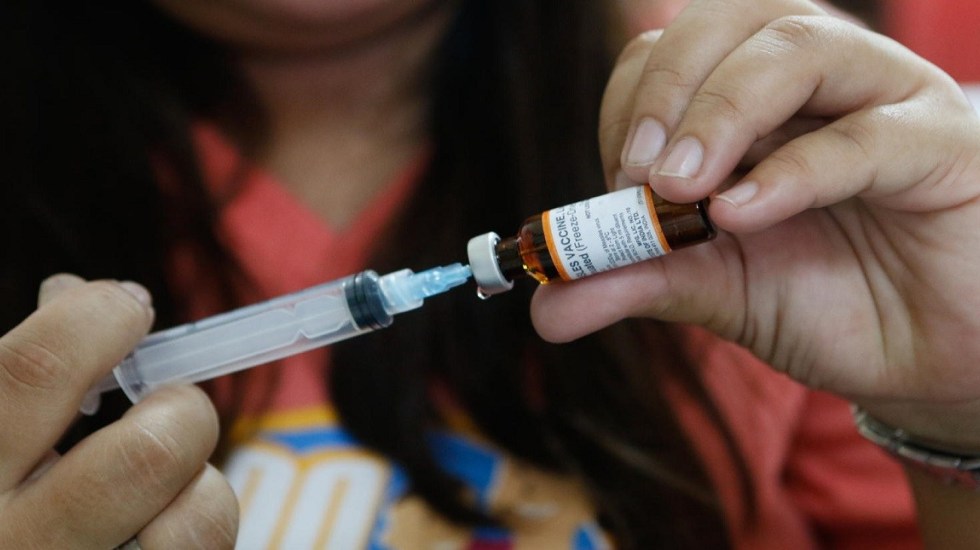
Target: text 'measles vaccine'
{"x":588,"y":237}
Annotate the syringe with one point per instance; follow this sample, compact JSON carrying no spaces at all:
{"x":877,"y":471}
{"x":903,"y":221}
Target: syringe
{"x":287,"y":325}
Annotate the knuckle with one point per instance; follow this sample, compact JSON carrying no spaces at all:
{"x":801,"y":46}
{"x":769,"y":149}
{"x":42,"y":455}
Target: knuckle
{"x":109,"y":296}
{"x":658,"y":74}
{"x":792,"y":159}
{"x":855,"y":135}
{"x":171,"y":434}
{"x":721,"y":103}
{"x":791,"y":33}
{"x":33,"y":365}
{"x":153,"y":458}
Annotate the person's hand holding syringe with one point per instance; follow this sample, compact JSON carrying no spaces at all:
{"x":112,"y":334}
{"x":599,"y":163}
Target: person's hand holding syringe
{"x":260,"y":333}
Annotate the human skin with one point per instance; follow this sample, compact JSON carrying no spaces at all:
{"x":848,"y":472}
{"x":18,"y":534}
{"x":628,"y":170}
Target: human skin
{"x":337,"y":77}
{"x":342,"y":84}
{"x":756,"y":284}
{"x":145,"y":473}
{"x":851,"y":232}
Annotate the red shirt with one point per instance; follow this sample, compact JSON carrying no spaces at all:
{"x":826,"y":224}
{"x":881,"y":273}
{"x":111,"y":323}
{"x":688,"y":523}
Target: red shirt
{"x":303,"y":482}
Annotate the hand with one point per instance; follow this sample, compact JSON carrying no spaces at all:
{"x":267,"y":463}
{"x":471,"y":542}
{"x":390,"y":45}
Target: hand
{"x":852,"y":254}
{"x":143,"y":476}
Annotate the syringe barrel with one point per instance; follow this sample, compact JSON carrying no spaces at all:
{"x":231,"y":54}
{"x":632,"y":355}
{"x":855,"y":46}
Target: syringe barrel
{"x":257,"y":334}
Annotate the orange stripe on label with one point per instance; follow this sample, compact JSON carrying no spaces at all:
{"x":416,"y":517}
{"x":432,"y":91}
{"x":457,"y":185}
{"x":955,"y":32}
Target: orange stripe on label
{"x":552,"y":249}
{"x":652,"y":209}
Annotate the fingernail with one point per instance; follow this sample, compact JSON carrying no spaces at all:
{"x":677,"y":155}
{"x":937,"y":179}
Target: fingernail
{"x":54,"y":285}
{"x":623,"y":181}
{"x":648,"y":142}
{"x":59,"y":281}
{"x":684,"y":160}
{"x":137,"y":291}
{"x":741,"y":194}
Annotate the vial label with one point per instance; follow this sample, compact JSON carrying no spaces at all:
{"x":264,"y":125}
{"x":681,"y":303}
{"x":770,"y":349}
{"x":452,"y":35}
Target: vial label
{"x":603,"y":233}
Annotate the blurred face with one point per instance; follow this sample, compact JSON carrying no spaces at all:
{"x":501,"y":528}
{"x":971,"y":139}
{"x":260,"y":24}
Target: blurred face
{"x":295,"y":25}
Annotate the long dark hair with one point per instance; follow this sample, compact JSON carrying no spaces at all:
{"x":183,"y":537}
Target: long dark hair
{"x":516,"y":89}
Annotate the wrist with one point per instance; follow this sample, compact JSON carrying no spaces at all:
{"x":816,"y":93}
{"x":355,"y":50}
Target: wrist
{"x":954,"y":427}
{"x":941,"y":455}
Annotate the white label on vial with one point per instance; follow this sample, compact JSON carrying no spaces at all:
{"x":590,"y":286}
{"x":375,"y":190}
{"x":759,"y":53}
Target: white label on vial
{"x":604,"y":233}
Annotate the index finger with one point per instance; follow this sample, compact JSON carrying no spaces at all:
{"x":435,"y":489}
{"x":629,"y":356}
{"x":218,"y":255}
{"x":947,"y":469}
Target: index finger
{"x":700,"y":38}
{"x":620,"y":93}
{"x":48,"y":362}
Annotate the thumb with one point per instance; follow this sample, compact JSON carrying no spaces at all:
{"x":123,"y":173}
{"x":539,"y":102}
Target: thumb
{"x":695,"y":285}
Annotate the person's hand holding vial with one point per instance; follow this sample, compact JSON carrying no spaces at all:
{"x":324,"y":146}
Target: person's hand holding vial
{"x":850,"y":235}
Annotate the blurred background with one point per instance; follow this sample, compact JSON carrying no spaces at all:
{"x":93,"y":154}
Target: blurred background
{"x":946,"y":32}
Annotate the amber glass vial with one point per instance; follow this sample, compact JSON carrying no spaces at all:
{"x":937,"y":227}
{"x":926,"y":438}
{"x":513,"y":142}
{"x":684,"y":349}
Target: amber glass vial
{"x":588,"y":237}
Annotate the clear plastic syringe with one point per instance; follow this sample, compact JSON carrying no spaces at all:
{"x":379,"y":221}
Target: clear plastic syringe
{"x":257,"y":334}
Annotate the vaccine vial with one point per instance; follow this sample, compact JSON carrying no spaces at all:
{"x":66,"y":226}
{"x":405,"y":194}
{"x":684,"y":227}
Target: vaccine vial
{"x":588,"y":237}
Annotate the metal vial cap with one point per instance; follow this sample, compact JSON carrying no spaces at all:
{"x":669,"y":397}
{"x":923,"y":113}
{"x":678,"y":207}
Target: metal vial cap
{"x":483,"y":261}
